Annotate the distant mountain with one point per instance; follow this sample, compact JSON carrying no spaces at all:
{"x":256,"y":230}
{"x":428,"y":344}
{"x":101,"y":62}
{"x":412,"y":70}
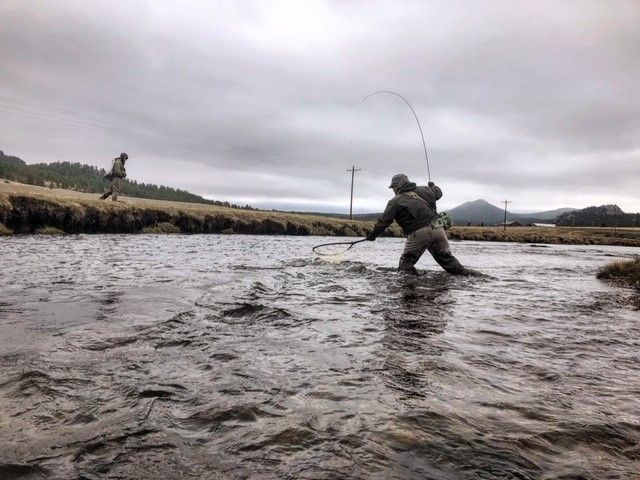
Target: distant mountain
{"x":602,"y":216}
{"x":87,"y":178}
{"x":482,"y":212}
{"x":546,"y":215}
{"x":477,"y":212}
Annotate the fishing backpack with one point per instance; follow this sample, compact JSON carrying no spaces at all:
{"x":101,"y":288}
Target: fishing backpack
{"x":443,"y":219}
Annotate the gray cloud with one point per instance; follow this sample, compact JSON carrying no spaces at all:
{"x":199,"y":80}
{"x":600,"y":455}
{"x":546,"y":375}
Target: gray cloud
{"x":261,"y":103}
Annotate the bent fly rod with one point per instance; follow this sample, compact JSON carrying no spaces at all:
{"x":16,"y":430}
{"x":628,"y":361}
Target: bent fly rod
{"x":424,"y":145}
{"x":338,"y":248}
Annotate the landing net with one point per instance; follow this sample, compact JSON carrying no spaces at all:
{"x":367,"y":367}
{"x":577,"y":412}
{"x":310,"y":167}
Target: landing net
{"x":334,"y":248}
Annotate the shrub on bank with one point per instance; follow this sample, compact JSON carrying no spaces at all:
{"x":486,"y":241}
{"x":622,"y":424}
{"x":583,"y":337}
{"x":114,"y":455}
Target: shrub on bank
{"x":627,"y":271}
{"x":4,"y":231}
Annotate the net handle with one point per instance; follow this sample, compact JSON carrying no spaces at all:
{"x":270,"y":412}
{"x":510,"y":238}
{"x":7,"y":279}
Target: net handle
{"x":351,"y":244}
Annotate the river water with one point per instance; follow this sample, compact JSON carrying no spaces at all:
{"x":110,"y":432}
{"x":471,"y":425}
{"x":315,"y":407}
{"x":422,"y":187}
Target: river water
{"x":246,"y":357}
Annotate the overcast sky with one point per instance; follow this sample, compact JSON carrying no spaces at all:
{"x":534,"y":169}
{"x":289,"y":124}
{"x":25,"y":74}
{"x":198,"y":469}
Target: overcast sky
{"x":260,"y":102}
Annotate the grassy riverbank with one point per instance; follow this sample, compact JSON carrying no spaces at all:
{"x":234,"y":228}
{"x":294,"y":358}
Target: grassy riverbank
{"x":28,"y":209}
{"x":626,"y":271}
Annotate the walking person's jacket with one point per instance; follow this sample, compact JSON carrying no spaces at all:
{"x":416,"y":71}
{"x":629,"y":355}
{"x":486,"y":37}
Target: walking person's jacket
{"x":117,"y":169}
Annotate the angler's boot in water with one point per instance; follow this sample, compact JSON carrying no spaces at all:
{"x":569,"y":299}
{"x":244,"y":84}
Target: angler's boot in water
{"x":409,"y":271}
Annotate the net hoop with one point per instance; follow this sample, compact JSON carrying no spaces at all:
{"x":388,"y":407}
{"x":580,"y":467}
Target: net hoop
{"x":348,"y":246}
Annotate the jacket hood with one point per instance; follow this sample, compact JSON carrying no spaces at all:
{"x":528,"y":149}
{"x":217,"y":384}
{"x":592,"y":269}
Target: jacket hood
{"x":406,"y":187}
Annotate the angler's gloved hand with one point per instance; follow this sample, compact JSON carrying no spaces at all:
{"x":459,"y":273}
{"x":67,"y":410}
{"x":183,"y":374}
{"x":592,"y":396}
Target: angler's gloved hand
{"x":371,"y":237}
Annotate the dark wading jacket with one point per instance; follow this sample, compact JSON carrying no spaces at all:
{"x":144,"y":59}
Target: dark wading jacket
{"x":410,"y":213}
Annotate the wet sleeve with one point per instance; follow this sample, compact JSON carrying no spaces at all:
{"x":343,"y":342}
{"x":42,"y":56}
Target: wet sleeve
{"x":386,"y":219}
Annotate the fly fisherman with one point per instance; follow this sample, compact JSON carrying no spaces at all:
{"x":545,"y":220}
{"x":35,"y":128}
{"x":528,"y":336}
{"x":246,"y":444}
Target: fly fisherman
{"x":414,"y":208}
{"x":116,"y":175}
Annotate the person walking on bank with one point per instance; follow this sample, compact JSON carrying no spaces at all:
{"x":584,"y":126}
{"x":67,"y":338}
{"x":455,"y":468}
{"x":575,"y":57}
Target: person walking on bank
{"x":116,"y":175}
{"x":414,"y":208}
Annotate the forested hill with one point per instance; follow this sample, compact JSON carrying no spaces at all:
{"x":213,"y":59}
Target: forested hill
{"x":87,"y":178}
{"x":602,"y":216}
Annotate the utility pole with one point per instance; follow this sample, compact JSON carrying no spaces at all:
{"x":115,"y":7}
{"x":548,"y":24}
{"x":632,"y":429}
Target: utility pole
{"x":353,"y":171}
{"x":506,"y":202}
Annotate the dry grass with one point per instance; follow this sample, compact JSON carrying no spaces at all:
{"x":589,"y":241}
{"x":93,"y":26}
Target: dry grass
{"x":4,"y":231}
{"x":67,"y":197}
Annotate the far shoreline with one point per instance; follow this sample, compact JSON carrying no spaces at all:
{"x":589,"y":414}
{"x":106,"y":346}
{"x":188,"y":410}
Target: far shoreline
{"x":28,"y":209}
